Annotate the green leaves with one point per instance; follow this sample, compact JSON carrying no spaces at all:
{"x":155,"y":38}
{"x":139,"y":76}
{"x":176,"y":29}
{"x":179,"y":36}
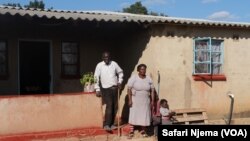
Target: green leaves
{"x":136,"y":8}
{"x":88,"y":78}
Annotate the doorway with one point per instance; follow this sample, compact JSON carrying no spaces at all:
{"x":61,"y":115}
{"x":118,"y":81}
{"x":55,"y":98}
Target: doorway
{"x":34,"y":67}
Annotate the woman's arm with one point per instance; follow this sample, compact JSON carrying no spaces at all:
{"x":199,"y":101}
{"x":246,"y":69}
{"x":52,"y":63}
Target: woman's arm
{"x":129,"y":92}
{"x":129,"y":97}
{"x":152,"y":93}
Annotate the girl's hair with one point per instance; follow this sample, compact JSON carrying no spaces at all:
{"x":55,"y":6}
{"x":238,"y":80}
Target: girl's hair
{"x":163,"y":101}
{"x":141,"y":65}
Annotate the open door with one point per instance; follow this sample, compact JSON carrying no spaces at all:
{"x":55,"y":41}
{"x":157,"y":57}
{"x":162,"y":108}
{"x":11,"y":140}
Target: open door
{"x":34,"y":67}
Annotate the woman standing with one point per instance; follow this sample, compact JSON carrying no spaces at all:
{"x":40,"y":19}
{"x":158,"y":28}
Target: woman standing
{"x":140,"y":88}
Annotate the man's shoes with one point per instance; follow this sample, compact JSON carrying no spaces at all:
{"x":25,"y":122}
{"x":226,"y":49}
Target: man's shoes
{"x":107,"y":128}
{"x":113,"y":127}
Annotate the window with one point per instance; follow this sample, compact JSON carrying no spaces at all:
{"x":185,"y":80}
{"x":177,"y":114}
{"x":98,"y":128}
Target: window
{"x":3,"y":60}
{"x":70,"y":59}
{"x":208,"y":58}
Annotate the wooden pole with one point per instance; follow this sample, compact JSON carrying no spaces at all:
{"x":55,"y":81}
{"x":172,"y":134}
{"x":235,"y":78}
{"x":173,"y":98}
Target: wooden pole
{"x":118,"y":113}
{"x":158,"y":83}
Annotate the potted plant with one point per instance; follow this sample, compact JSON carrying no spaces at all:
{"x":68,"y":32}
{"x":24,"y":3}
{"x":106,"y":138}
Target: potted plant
{"x":88,"y":81}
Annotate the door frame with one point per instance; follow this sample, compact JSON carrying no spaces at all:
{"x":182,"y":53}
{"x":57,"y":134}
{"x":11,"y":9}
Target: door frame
{"x":50,"y":60}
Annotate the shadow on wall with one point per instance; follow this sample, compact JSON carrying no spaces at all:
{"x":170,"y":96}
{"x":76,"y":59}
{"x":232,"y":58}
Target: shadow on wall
{"x":245,"y":114}
{"x":130,"y":51}
{"x":126,"y":43}
{"x":125,"y":111}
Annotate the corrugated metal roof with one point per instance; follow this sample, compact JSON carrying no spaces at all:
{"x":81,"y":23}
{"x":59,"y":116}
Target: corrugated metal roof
{"x":112,"y":17}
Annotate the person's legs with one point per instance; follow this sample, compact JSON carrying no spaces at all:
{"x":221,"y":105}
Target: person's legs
{"x":131,"y":132}
{"x":166,"y":122}
{"x":144,"y":131}
{"x":156,"y":122}
{"x":107,"y":99}
{"x":156,"y":130}
{"x":114,"y":93}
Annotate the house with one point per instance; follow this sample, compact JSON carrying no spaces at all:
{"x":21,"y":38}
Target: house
{"x":199,"y":61}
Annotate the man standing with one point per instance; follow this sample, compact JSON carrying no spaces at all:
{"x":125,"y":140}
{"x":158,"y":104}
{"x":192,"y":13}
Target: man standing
{"x":109,"y":77}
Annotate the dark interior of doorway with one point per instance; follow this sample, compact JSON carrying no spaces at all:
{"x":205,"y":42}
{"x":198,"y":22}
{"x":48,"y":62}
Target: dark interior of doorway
{"x":34,"y":67}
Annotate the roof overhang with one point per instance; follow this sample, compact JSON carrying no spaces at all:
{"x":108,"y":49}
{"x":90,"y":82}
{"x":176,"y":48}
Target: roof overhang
{"x":107,"y":16}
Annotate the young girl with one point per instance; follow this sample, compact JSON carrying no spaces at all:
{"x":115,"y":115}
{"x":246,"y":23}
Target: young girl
{"x":166,"y":114}
{"x":164,"y":117}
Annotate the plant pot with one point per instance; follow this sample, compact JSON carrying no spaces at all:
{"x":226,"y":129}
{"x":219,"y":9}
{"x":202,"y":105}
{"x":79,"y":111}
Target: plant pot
{"x":89,"y":87}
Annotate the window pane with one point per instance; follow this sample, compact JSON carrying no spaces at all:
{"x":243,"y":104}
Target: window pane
{"x":70,"y":70}
{"x":217,"y":69}
{"x":216,"y":57}
{"x":2,"y":58}
{"x":69,"y":58}
{"x":216,"y":46}
{"x":202,"y":68}
{"x":3,"y":69}
{"x":69,"y":47}
{"x":208,"y":53}
{"x":202,"y":56}
{"x":201,"y":45}
{"x":2,"y":46}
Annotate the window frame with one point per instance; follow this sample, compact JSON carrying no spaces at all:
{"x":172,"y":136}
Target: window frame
{"x":6,"y":63}
{"x":209,"y":75}
{"x":77,"y":64}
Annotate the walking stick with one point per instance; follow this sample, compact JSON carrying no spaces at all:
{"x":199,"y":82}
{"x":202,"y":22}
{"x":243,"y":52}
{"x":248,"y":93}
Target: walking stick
{"x":118,"y":112}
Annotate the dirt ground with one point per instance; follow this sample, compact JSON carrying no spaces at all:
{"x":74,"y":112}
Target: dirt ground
{"x":137,"y":137}
{"x":107,"y":137}
{"x":100,"y":138}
